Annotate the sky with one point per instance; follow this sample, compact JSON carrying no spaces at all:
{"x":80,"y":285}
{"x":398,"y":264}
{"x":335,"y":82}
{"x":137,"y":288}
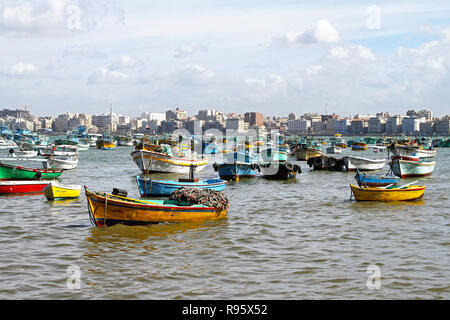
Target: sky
{"x":274,"y":57}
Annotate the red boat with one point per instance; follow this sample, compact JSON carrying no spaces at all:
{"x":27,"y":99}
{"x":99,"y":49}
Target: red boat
{"x":22,"y":187}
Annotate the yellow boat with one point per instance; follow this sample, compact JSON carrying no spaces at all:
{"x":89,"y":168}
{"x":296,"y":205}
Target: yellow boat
{"x":390,"y":193}
{"x":55,"y":190}
{"x":108,"y":209}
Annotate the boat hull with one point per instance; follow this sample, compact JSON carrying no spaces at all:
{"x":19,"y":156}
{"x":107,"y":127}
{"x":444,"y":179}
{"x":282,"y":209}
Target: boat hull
{"x":375,"y":181}
{"x":304,"y":154}
{"x":406,"y":168}
{"x":151,"y":188}
{"x":106,"y":210}
{"x":387,"y":195}
{"x":363,"y":164}
{"x":150,"y":161}
{"x":11,"y":172}
{"x":22,"y":187}
{"x":231,"y":171}
{"x":54,"y":191}
{"x":279,"y":171}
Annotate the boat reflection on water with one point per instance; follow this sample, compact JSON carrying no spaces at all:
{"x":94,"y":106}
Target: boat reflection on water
{"x":119,"y":233}
{"x":64,"y":202}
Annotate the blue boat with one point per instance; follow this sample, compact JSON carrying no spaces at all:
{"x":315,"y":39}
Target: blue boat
{"x":164,"y":188}
{"x":375,"y":181}
{"x":237,"y":164}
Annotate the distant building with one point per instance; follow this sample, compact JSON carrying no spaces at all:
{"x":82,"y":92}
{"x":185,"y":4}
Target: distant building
{"x":292,"y":116}
{"x":427,"y":128}
{"x":376,"y":125}
{"x":253,"y":118}
{"x":341,"y":126}
{"x":176,"y":114}
{"x":298,"y":125}
{"x":411,"y":125}
{"x":236,"y":124}
{"x":442,"y":127}
{"x":358,"y":126}
{"x":394,"y":124}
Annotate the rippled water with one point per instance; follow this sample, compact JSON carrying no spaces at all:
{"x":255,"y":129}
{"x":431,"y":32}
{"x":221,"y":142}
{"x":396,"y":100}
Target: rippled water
{"x":299,"y":239}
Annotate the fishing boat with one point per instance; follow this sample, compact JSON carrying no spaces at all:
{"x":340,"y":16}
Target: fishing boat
{"x":106,"y":143}
{"x":150,"y":187}
{"x":411,"y":168}
{"x":63,"y":162}
{"x":333,"y":149}
{"x":406,"y":192}
{"x":7,"y":144}
{"x":303,"y":152}
{"x":414,"y":151}
{"x":359,"y":146}
{"x":55,"y":191}
{"x":363,"y":164}
{"x":124,"y":141}
{"x":364,"y":179}
{"x":22,"y":186}
{"x":12,"y":172}
{"x":274,"y":165}
{"x":110,"y":209}
{"x":92,"y":139}
{"x":236,"y":165}
{"x":163,"y":160}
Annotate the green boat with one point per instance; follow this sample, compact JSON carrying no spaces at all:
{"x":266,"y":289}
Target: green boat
{"x":444,"y":144}
{"x":12,"y":172}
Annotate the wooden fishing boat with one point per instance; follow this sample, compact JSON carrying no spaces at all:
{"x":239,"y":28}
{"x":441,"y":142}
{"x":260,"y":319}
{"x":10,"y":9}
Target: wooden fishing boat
{"x":108,"y":209}
{"x":152,"y":161}
{"x":413,"y":151}
{"x":359,"y":146}
{"x":303,"y":152}
{"x":23,"y":153}
{"x":150,"y":187}
{"x":386,"y":194}
{"x":236,"y":165}
{"x":12,"y":172}
{"x":274,"y":165}
{"x":364,"y":179}
{"x":106,"y":143}
{"x":22,"y":186}
{"x":55,"y":190}
{"x":63,"y":162}
{"x":412,"y":168}
{"x":363,"y":164}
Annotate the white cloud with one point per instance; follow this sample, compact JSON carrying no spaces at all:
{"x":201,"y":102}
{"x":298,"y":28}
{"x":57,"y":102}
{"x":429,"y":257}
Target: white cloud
{"x":188,"y":50}
{"x":83,"y":51}
{"x":127,"y":62}
{"x":104,"y":75}
{"x":351,"y":52}
{"x":22,"y":69}
{"x":55,"y":17}
{"x":193,"y":74}
{"x":321,"y":32}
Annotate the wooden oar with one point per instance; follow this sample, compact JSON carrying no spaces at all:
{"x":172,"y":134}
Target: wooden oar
{"x":402,"y":187}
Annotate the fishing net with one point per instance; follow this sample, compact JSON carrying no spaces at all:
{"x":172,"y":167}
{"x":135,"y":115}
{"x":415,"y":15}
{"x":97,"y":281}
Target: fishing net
{"x":207,"y":197}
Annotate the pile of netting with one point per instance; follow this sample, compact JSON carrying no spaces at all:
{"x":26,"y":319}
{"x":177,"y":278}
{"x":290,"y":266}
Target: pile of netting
{"x":207,"y":197}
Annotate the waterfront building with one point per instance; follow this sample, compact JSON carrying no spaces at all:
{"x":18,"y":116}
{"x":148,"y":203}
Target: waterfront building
{"x":358,"y":126}
{"x":442,"y":126}
{"x":298,"y":125}
{"x":376,"y":125}
{"x":393,"y":124}
{"x":427,"y":128}
{"x":411,"y":125}
{"x":341,"y":126}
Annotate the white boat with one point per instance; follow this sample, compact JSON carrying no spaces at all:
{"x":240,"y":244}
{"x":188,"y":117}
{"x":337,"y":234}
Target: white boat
{"x":333,"y":150}
{"x":414,"y":151}
{"x":363,"y":164}
{"x":63,"y":162}
{"x":411,"y":168}
{"x":7,"y":144}
{"x":92,"y":139}
{"x":152,"y":161}
{"x":23,"y":153}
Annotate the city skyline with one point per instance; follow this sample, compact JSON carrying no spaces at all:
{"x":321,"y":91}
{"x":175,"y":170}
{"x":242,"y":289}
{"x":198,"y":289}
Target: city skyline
{"x":271,"y":57}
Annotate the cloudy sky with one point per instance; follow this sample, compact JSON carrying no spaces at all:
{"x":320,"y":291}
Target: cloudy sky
{"x":276,"y":57}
